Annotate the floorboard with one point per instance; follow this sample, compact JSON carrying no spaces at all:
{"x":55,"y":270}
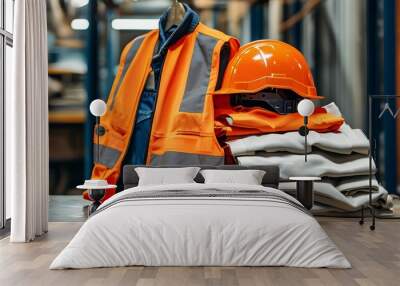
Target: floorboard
{"x":375,"y":257}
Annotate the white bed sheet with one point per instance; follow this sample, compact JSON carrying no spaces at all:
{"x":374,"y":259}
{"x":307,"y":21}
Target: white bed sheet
{"x":200,"y":232}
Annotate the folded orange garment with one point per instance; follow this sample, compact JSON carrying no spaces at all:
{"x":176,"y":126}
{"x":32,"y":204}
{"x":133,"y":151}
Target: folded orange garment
{"x":244,"y":121}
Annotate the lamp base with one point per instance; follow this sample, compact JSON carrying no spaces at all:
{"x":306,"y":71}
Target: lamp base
{"x":303,"y":131}
{"x":96,"y":196}
{"x":305,"y":193}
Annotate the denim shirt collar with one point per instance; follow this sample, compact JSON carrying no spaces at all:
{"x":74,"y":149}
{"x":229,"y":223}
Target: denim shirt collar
{"x":188,"y":24}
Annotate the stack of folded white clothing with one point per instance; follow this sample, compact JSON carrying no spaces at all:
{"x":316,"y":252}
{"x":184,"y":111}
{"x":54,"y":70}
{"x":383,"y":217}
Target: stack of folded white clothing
{"x":340,"y":159}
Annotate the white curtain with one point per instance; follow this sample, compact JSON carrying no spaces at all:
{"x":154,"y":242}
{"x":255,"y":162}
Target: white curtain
{"x":27,"y":123}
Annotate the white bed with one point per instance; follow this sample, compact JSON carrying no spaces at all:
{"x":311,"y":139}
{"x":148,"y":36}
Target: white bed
{"x":201,"y":225}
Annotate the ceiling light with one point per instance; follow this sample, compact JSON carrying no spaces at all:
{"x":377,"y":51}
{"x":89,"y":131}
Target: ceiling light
{"x":79,"y":24}
{"x":79,"y":3}
{"x":134,"y":24}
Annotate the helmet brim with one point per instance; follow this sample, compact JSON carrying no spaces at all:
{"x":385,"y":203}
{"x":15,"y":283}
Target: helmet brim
{"x":227,"y":91}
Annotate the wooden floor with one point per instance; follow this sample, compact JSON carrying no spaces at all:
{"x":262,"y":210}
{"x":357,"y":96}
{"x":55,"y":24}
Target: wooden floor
{"x":375,"y":257}
{"x":67,"y":209}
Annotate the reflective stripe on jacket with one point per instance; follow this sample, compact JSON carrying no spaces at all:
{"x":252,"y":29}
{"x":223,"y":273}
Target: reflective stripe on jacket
{"x":183,"y":123}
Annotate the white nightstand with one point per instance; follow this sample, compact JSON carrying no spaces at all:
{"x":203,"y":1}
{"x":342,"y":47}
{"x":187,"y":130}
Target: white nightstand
{"x":304,"y":190}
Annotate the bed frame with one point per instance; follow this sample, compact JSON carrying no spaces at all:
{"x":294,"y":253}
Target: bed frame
{"x":271,"y":177}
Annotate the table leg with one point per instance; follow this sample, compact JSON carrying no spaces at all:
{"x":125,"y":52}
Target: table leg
{"x":305,"y":193}
{"x":96,"y":196}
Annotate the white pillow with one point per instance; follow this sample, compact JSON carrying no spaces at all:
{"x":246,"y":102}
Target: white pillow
{"x":248,"y":177}
{"x":166,"y":176}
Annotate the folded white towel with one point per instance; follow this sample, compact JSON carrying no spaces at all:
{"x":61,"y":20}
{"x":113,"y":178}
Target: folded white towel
{"x":327,"y":194}
{"x":346,"y":141}
{"x":319,"y":164}
{"x":354,"y":185}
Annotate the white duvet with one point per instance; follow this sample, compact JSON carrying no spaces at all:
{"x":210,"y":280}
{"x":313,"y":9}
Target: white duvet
{"x":189,"y":231}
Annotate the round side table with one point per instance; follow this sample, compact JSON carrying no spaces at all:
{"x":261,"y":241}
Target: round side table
{"x":304,"y":190}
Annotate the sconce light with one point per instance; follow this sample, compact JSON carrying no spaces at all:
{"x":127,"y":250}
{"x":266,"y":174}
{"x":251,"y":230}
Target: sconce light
{"x":97,"y":188}
{"x":305,"y":108}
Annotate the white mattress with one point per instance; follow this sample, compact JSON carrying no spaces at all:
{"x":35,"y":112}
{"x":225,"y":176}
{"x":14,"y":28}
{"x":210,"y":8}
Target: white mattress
{"x":190,"y":231}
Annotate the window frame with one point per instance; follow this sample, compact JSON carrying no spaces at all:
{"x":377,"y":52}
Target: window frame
{"x":6,"y":39}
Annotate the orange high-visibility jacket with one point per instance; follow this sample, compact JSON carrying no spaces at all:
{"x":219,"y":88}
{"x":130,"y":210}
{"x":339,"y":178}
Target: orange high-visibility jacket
{"x":183,"y":123}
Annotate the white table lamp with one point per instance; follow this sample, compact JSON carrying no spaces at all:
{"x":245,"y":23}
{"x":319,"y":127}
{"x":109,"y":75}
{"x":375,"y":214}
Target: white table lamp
{"x":98,"y":108}
{"x":305,"y":108}
{"x":97,"y":188}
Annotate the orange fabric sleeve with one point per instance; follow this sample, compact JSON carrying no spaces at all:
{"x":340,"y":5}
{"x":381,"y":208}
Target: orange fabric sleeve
{"x":252,"y":121}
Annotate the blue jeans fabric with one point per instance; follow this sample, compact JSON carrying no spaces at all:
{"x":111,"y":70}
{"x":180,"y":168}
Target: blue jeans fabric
{"x":140,"y":137}
{"x":137,"y":150}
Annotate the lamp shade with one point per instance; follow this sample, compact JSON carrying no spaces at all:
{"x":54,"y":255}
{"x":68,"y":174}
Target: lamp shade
{"x":305,"y":107}
{"x":98,"y":107}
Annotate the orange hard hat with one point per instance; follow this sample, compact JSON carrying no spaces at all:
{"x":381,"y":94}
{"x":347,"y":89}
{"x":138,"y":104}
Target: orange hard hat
{"x":268,"y":64}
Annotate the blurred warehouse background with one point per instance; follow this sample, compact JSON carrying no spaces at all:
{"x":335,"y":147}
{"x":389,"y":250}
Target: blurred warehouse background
{"x":350,"y":46}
